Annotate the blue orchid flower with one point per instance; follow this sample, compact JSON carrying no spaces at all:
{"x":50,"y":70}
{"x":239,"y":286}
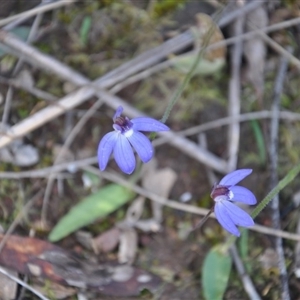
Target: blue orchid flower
{"x":228,"y":214}
{"x":127,"y":135}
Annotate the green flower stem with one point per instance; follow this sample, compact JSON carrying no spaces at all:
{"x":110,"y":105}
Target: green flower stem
{"x":290,"y":176}
{"x":190,"y":74}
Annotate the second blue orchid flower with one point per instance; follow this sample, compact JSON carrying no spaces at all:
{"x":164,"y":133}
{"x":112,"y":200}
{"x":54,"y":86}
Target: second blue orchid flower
{"x":127,"y":135}
{"x":228,"y":214}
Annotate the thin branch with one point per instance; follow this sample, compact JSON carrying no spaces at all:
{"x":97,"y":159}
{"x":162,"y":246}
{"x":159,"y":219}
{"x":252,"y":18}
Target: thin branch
{"x":265,"y":114}
{"x":82,"y":164}
{"x":180,"y":206}
{"x":274,"y":176}
{"x":32,"y":90}
{"x":21,"y":17}
{"x":245,"y":36}
{"x":234,"y":105}
{"x":17,"y":67}
{"x":246,"y":280}
{"x":22,"y":283}
{"x":45,"y":172}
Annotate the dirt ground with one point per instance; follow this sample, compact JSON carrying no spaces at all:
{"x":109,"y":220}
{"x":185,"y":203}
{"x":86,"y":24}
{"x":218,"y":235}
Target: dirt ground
{"x":82,"y":41}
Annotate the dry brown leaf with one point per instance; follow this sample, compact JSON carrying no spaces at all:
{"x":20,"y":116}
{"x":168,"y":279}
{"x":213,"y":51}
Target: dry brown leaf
{"x":37,"y":258}
{"x":106,"y":241}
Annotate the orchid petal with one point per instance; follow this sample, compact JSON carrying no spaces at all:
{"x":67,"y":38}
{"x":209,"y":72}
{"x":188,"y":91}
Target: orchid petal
{"x":224,"y":219}
{"x":237,"y":215}
{"x":235,"y":177}
{"x":124,"y":155}
{"x":148,"y":124}
{"x":105,"y":148}
{"x":142,"y":146}
{"x":241,"y":194}
{"x":118,"y":113}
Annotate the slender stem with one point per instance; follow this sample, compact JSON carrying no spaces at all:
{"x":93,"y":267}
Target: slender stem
{"x":289,"y":177}
{"x":191,"y":72}
{"x":203,"y":220}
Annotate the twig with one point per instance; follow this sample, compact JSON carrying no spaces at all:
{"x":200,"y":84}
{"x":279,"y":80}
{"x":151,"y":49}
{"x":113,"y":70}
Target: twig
{"x":234,"y":105}
{"x":10,"y":91}
{"x":246,"y":280}
{"x":45,"y":172}
{"x":274,"y":176}
{"x":234,"y":14}
{"x":139,"y":63}
{"x":32,"y":12}
{"x":181,"y":206}
{"x":32,"y":90}
{"x":245,"y":36}
{"x":171,"y":203}
{"x":265,"y":114}
{"x":291,"y":58}
{"x":22,"y":283}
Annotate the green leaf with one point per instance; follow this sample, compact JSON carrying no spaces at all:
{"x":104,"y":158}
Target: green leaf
{"x":98,"y":205}
{"x":215,"y":273}
{"x":85,"y":29}
{"x":259,"y":141}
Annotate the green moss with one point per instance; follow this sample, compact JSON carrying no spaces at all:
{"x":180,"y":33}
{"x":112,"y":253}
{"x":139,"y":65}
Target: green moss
{"x":164,"y":7}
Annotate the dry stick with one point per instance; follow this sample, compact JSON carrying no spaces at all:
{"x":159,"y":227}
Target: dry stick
{"x":273,"y":149}
{"x":32,"y":12}
{"x":180,"y":206}
{"x":245,"y":36}
{"x":264,"y":114}
{"x":10,"y":91}
{"x":32,"y":90}
{"x":88,"y":114}
{"x":234,"y":105}
{"x":291,"y":58}
{"x":171,"y":203}
{"x":45,"y":172}
{"x":155,"y":55}
{"x":246,"y":280}
{"x":22,"y":283}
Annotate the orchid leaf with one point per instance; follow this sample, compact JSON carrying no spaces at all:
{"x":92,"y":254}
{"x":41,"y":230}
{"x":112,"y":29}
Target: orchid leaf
{"x":98,"y":205}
